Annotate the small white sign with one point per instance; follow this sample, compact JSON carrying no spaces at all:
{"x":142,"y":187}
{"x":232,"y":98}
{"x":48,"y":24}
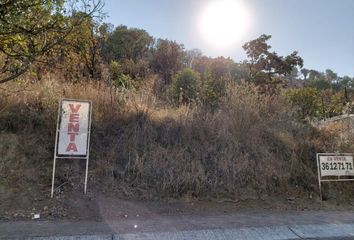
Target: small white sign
{"x":74,"y":128}
{"x":336,"y":165}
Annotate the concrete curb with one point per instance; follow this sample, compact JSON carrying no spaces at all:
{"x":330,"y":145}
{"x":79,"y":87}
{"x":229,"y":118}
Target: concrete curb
{"x":323,"y":231}
{"x":265,"y":233}
{"x":79,"y":237}
{"x":254,"y":233}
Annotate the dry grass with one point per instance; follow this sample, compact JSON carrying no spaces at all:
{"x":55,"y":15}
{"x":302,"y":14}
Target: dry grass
{"x":143,"y":147}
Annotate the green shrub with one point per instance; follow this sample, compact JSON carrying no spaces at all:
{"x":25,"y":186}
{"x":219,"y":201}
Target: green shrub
{"x":306,"y":102}
{"x":214,"y":90}
{"x":310,"y":103}
{"x":185,"y":86}
{"x":119,"y":78}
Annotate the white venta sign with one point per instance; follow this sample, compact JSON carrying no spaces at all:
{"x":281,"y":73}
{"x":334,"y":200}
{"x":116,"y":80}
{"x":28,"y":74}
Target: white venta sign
{"x":336,"y":165}
{"x":72,"y":139}
{"x":74,"y":128}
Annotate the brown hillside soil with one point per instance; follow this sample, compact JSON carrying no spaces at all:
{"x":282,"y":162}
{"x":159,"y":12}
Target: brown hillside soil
{"x":99,"y":204}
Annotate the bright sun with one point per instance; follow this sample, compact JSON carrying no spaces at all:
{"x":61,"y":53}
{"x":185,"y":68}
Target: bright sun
{"x":224,"y":22}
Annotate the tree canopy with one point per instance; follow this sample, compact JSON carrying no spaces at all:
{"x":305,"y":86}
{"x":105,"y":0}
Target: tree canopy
{"x":167,"y":58}
{"x":266,"y":66}
{"x":68,"y":37}
{"x":127,"y":43}
{"x":31,"y":29}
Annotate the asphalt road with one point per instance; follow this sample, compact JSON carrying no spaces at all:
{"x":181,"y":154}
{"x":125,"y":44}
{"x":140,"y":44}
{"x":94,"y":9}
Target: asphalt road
{"x":241,"y":225}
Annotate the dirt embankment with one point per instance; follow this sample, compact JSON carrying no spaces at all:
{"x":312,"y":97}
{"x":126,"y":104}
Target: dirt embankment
{"x":248,"y":151}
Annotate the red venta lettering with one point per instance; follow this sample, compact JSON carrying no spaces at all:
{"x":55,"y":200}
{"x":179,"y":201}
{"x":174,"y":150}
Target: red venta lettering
{"x":73,"y":127}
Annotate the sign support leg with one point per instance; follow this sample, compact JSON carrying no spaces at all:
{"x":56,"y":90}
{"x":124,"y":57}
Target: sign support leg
{"x":88,"y":150}
{"x":53,"y":178}
{"x":55,"y":151}
{"x":86,"y":174}
{"x":318,"y":175}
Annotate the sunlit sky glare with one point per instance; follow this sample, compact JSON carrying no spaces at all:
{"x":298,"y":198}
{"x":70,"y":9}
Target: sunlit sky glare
{"x":321,"y":30}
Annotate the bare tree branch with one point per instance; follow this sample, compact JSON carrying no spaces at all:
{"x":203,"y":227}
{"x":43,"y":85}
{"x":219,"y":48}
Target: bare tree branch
{"x":14,"y":76}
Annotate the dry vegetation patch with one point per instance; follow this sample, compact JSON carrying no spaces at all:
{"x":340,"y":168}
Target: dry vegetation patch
{"x":249,"y":147}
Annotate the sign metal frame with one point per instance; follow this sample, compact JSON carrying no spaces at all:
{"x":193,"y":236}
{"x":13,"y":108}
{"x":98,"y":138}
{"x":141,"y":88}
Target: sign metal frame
{"x":336,"y":178}
{"x":57,"y":132}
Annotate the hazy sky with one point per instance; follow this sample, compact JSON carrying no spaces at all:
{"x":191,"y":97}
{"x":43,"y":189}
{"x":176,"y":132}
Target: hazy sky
{"x":321,"y":30}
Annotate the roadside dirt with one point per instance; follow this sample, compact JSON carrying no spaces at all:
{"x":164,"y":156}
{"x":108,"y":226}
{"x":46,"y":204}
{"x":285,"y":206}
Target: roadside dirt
{"x":21,"y":198}
{"x":100,"y":205}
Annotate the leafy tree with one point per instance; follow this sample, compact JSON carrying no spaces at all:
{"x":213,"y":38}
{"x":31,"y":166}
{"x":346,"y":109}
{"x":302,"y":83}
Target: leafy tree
{"x":167,"y":58}
{"x":343,"y":83}
{"x":218,"y":68}
{"x":120,"y":79}
{"x":313,"y":74}
{"x":221,"y":67}
{"x":336,"y":105}
{"x":317,"y":80}
{"x":136,"y":70}
{"x":201,"y":64}
{"x":191,"y":56}
{"x":81,"y":49}
{"x":240,"y":72}
{"x":214,"y":82}
{"x":267,"y":68}
{"x":127,"y":43}
{"x":293,"y":75}
{"x":32,"y":29}
{"x":305,"y":72}
{"x":185,"y":85}
{"x":318,"y":83}
{"x":214,"y":74}
{"x":331,"y":76}
{"x":333,"y":102}
{"x":214,"y":90}
{"x":306,"y":102}
{"x":327,"y":80}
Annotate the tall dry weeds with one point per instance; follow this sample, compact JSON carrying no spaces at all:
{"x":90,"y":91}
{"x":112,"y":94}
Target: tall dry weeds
{"x":146,"y":148}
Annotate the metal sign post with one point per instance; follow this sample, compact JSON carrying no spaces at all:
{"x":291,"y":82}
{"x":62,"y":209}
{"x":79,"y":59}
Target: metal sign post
{"x":72,"y":137}
{"x":334,"y":167}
